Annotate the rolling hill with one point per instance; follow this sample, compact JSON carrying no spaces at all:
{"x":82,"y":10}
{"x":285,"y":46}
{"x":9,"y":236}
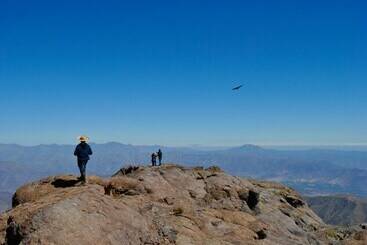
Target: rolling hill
{"x":339,"y":210}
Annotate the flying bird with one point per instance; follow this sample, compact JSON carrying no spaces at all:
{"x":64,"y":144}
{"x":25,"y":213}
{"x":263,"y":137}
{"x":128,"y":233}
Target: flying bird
{"x":237,"y":88}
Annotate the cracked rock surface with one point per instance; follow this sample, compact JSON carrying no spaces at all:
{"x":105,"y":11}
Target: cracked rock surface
{"x":169,"y":204}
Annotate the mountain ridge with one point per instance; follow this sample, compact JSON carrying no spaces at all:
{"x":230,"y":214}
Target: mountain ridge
{"x":339,"y":209}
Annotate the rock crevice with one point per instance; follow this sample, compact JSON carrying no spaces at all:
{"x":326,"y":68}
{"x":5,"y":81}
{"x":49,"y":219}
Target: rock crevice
{"x":170,"y":204}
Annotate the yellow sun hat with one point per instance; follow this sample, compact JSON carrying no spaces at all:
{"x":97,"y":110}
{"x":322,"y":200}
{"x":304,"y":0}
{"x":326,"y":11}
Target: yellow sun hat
{"x":83,"y":138}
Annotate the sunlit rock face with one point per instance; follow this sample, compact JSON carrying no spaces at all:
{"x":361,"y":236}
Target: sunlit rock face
{"x":167,"y":205}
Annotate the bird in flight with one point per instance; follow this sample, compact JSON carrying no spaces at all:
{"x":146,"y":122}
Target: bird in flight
{"x":237,"y":88}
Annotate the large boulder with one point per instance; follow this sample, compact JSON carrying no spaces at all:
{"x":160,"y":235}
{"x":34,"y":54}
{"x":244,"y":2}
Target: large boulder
{"x":170,"y":204}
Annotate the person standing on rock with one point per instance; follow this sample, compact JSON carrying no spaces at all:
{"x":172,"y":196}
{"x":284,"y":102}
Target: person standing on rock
{"x":154,"y":159}
{"x":82,"y":152}
{"x":160,"y":155}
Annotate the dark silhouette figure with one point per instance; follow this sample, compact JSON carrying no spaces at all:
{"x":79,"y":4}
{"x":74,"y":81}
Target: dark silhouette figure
{"x":154,"y":159}
{"x":237,"y":88}
{"x":160,"y":155}
{"x":13,"y":235}
{"x":82,"y":152}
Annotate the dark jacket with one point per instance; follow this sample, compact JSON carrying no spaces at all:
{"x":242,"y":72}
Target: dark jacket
{"x":82,"y":151}
{"x":159,"y":154}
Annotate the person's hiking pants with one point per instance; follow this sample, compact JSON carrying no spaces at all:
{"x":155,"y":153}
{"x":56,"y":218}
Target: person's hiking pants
{"x":82,"y":164}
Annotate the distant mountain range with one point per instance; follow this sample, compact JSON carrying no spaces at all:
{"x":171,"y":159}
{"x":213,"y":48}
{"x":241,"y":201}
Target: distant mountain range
{"x":339,"y":210}
{"x":311,"y":172}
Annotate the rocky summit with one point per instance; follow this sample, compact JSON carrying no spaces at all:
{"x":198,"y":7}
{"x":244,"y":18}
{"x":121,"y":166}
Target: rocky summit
{"x":169,"y":204}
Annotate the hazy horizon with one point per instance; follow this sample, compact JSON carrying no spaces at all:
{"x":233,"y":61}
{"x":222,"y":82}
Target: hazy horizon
{"x":361,"y":147}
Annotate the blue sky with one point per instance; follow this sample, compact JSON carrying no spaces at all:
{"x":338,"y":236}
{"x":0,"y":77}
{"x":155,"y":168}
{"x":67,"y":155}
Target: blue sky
{"x":147,"y":72}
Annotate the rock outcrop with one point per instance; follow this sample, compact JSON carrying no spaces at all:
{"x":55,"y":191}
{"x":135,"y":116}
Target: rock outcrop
{"x":168,"y":205}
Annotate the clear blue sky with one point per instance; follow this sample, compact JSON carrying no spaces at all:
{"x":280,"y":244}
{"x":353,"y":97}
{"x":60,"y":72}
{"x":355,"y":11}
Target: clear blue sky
{"x":161,"y":72}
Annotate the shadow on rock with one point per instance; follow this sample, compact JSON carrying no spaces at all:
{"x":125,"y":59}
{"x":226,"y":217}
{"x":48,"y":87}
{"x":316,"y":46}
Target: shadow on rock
{"x":64,"y":183}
